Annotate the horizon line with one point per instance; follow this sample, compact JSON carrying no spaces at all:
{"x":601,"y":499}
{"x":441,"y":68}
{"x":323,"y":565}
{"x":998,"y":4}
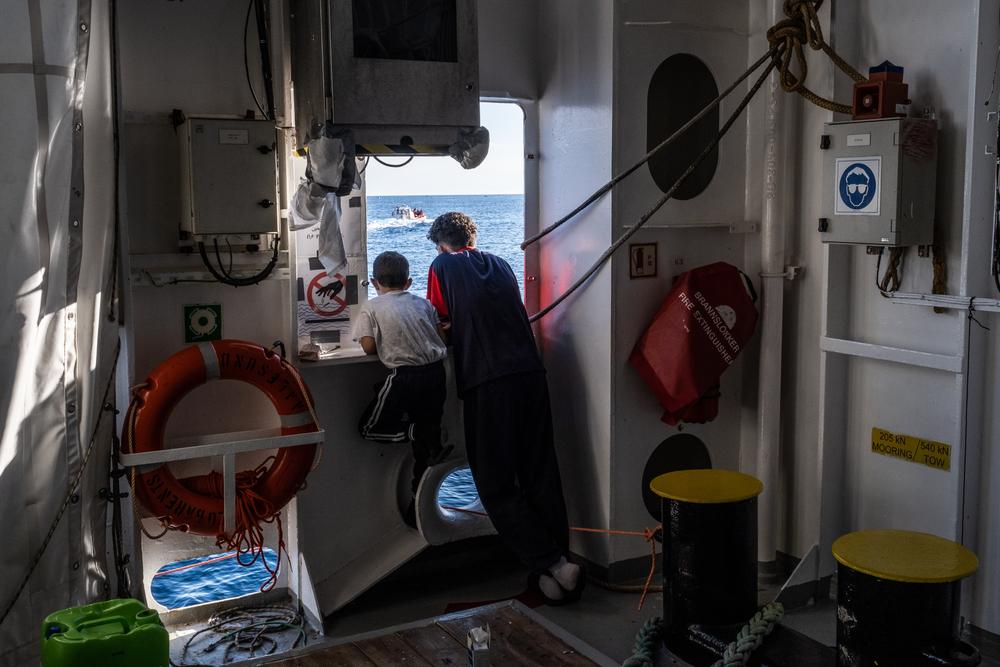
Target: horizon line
{"x":449,"y":194}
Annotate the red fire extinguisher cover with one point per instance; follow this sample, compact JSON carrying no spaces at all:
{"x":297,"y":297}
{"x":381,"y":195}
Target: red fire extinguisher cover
{"x":699,"y":330}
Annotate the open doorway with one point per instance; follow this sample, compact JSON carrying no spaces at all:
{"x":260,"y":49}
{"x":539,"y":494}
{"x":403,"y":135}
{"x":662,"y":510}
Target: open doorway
{"x":404,"y":195}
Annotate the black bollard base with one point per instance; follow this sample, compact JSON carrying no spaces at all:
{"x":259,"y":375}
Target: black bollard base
{"x":702,"y":646}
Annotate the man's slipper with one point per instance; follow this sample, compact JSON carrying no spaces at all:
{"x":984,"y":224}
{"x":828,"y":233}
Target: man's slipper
{"x":569,"y":597}
{"x":574,"y":594}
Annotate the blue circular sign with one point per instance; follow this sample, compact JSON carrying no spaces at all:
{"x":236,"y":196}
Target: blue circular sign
{"x":857,"y":186}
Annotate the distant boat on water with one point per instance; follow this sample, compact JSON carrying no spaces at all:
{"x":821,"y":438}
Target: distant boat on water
{"x":407,"y":213}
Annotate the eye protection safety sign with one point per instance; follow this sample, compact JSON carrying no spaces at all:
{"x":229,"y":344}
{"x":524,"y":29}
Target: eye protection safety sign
{"x":857,"y":190}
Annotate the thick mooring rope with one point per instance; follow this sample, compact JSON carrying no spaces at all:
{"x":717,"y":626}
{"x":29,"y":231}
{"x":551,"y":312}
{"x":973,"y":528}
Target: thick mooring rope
{"x":646,"y":641}
{"x":737,"y":654}
{"x":752,"y":635}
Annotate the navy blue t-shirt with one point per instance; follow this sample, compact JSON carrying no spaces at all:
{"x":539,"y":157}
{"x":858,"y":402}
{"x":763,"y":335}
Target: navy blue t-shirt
{"x":490,"y":333}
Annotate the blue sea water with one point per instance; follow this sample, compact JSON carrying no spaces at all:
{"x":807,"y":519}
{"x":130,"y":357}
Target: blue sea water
{"x":457,"y":489}
{"x":500,"y":219}
{"x":209,"y":578}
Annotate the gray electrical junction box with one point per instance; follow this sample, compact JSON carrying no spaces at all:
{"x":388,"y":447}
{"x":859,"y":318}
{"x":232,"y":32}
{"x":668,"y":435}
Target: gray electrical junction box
{"x":878,"y":181}
{"x":228,"y":176}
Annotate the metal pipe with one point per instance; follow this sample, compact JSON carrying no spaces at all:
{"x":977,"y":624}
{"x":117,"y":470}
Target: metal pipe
{"x":772,"y":250}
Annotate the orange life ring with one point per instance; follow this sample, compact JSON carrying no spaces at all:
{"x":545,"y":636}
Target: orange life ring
{"x":189,"y":504}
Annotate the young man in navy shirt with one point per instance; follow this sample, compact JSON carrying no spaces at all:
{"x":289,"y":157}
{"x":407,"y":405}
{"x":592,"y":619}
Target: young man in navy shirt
{"x":508,"y":421}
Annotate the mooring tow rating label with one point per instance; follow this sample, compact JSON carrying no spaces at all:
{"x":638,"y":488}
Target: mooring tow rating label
{"x":916,"y":450}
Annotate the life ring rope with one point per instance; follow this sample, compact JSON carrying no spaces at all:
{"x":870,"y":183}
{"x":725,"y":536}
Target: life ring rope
{"x":195,"y":504}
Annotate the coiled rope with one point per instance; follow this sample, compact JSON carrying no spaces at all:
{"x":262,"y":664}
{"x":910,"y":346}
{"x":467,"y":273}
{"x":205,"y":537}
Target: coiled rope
{"x":252,"y":511}
{"x":246,"y":629}
{"x":786,"y":39}
{"x":737,"y":654}
{"x":802,"y":27}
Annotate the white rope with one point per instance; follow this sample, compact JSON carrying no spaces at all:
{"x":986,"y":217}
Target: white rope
{"x":751,"y":636}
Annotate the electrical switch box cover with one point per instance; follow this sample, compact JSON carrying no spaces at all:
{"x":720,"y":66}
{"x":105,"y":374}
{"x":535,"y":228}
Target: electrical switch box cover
{"x":879,"y":181}
{"x":228,"y":176}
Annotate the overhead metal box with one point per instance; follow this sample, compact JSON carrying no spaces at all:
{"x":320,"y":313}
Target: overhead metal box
{"x":879,"y":178}
{"x":397,"y":73}
{"x":228,"y":176}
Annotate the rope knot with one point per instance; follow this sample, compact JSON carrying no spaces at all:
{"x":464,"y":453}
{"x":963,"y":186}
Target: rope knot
{"x":786,"y":37}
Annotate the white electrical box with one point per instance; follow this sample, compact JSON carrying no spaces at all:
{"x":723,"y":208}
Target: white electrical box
{"x":228,"y":176}
{"x":879,"y":179}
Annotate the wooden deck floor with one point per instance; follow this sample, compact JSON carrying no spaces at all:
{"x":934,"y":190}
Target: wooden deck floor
{"x":516,"y":640}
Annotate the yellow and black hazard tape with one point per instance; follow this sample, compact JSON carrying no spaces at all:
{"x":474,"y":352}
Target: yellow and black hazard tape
{"x":400,"y":149}
{"x":361,"y":150}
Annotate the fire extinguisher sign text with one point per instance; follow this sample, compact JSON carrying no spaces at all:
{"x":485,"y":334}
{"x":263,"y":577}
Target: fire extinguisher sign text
{"x":713,"y":324}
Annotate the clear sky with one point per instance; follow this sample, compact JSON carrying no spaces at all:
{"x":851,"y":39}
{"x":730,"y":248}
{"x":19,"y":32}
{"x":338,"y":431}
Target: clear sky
{"x":502,"y":172}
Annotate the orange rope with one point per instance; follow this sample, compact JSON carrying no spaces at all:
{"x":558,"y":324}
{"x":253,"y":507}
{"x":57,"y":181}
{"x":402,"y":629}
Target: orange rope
{"x":648,"y":534}
{"x":252,"y":510}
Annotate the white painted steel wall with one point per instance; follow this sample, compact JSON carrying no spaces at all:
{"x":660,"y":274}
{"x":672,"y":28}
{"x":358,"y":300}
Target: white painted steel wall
{"x":575,"y":143}
{"x":863,"y":489}
{"x":648,"y":32}
{"x":948,"y":53}
{"x":508,"y":47}
{"x":186,"y":56}
{"x":982,"y":520}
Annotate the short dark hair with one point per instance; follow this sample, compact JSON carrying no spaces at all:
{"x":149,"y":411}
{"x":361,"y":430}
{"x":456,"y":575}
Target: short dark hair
{"x":391,"y":269}
{"x":456,"y":229}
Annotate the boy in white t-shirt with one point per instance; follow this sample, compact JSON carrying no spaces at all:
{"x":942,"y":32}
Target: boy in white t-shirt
{"x":404,"y":331}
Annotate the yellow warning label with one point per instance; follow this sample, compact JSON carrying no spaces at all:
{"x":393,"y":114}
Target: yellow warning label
{"x":906,"y":447}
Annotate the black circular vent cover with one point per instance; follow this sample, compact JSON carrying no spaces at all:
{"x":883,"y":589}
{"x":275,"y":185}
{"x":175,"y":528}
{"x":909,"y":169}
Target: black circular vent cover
{"x":678,"y":452}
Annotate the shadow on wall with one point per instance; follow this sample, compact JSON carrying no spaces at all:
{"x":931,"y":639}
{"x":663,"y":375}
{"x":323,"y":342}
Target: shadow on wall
{"x":578,"y":465}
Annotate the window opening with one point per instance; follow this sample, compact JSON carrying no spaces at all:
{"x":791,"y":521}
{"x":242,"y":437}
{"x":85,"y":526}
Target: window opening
{"x":210,"y":578}
{"x":403,"y":202}
{"x":457,"y":490}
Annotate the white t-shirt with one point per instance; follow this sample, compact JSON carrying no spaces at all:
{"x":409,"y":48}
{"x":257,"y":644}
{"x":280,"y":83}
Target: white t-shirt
{"x":404,"y":327}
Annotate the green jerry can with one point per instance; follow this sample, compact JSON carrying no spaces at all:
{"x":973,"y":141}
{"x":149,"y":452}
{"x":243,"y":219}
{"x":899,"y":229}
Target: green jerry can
{"x":116,"y":633}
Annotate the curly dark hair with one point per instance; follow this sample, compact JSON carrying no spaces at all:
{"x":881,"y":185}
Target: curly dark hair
{"x":453,"y":228}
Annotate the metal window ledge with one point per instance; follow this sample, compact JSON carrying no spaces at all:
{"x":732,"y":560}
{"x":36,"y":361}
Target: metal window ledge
{"x":940,"y":362}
